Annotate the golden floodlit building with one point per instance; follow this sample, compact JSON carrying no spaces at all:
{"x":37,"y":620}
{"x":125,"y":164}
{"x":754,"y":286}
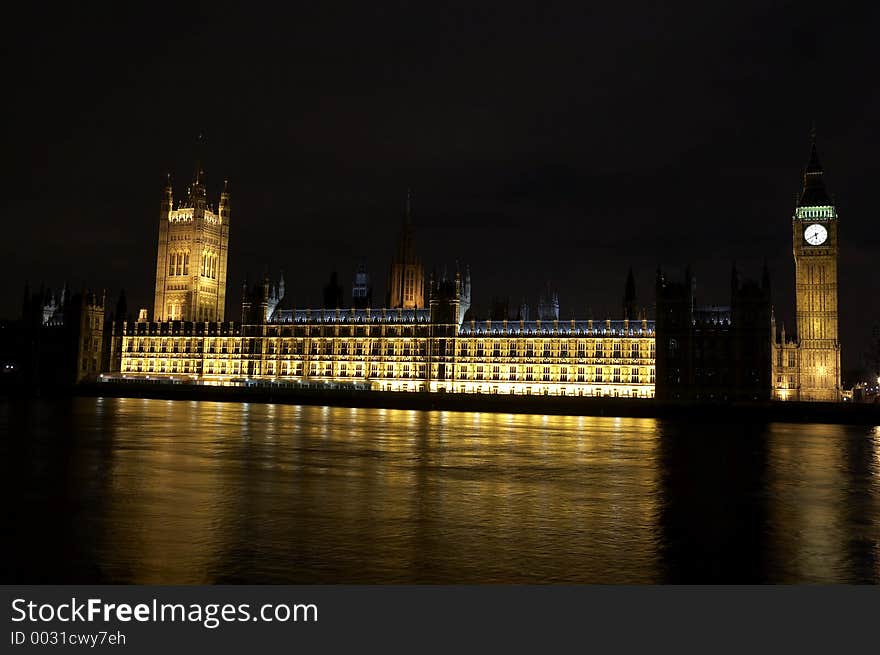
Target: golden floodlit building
{"x":193,"y":248}
{"x":425,"y":339}
{"x":418,"y":343}
{"x":429,"y":349}
{"x":807,"y":367}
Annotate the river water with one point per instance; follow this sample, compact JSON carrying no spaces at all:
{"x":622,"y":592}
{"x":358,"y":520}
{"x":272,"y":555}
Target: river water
{"x":177,"y":492}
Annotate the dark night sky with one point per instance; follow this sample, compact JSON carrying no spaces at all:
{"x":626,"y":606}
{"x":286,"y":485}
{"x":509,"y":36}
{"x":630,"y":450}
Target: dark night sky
{"x":560,"y":141}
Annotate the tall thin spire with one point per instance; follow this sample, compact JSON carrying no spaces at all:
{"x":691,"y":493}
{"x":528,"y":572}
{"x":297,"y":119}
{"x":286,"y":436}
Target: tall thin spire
{"x":813,"y":166}
{"x":814,"y":193}
{"x":408,"y":216}
{"x":200,"y":147}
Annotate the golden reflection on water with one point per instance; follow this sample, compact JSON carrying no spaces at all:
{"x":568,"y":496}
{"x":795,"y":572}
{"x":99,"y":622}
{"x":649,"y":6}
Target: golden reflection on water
{"x":807,"y":507}
{"x":152,"y":491}
{"x":210,"y":491}
{"x":825,"y":502}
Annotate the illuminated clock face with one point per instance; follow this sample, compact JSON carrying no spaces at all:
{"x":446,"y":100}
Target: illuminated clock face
{"x":815,"y":235}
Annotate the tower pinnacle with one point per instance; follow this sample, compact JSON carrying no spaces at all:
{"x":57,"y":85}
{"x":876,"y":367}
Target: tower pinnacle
{"x":814,"y":193}
{"x":200,"y":173}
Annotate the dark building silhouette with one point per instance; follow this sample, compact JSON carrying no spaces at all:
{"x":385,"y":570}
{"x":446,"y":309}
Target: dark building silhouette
{"x":255,"y":301}
{"x":265,"y":301}
{"x":361,"y":291}
{"x":713,"y":353}
{"x":446,"y":302}
{"x":60,"y":339}
{"x":333,"y":293}
{"x":548,"y":304}
{"x":500,"y":309}
{"x":121,"y":307}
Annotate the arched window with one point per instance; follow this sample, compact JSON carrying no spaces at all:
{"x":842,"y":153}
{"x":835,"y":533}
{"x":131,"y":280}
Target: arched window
{"x":186,"y":263}
{"x":171,"y":263}
{"x":179,"y":267}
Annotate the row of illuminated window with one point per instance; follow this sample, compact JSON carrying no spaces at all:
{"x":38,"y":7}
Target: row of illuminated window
{"x":293,"y":368}
{"x":785,"y":382}
{"x":566,"y":348}
{"x":377,"y":346}
{"x":583,"y":374}
{"x":178,"y":263}
{"x":174,"y":366}
{"x":790,"y":360}
{"x":815,"y":212}
{"x":553,"y":390}
{"x":592,"y":374}
{"x":188,"y":215}
{"x":275,"y":347}
{"x":210,"y":264}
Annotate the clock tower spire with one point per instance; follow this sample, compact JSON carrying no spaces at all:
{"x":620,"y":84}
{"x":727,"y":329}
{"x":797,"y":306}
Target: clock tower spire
{"x":815,"y":248}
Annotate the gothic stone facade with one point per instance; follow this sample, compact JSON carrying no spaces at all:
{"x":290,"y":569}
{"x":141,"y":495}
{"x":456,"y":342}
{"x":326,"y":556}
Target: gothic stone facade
{"x":401,"y":350}
{"x":807,"y":367}
{"x":191,"y":258}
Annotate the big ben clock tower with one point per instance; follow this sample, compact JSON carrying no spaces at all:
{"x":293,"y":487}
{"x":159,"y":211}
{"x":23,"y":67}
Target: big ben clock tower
{"x":814,"y":234}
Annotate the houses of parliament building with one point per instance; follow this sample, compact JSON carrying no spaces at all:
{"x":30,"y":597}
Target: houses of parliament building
{"x":425,"y":337}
